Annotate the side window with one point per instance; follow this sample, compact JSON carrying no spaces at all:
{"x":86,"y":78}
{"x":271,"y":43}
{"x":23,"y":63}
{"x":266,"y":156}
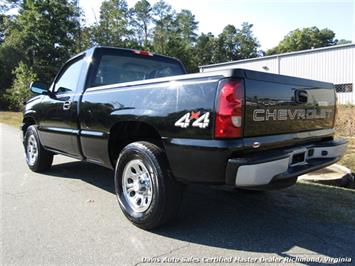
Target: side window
{"x":68,"y":80}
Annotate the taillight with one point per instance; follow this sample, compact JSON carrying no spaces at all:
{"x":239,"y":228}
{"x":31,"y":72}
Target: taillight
{"x":144,"y":53}
{"x":229,"y":110}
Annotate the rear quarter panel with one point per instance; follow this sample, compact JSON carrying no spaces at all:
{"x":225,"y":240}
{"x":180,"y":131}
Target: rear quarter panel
{"x":158,"y":104}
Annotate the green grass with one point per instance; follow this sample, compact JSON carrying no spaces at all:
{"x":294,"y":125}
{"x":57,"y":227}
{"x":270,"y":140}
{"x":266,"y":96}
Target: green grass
{"x":11,"y":118}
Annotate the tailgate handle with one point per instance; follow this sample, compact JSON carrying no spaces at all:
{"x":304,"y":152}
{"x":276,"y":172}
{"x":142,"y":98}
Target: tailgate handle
{"x":301,"y":96}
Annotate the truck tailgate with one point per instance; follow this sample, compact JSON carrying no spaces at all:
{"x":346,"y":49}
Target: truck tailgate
{"x":277,"y":104}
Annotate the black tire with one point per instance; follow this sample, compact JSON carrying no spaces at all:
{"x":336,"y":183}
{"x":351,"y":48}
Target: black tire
{"x":44,"y":158}
{"x":166,"y":191}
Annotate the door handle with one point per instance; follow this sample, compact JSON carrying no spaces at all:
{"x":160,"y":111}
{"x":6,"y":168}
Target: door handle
{"x":66,"y":105}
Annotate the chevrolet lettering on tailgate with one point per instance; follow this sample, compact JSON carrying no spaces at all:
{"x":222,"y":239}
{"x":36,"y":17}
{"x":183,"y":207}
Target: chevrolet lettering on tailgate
{"x":285,"y":114}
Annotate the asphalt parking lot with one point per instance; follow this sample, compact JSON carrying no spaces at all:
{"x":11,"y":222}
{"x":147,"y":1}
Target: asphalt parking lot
{"x":70,"y":216}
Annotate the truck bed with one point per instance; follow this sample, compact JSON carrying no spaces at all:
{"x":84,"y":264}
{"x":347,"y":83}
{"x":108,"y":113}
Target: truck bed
{"x":161,"y":102}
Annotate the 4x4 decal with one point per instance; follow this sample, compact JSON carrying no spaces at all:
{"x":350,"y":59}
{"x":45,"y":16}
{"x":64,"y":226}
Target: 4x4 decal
{"x":201,"y":121}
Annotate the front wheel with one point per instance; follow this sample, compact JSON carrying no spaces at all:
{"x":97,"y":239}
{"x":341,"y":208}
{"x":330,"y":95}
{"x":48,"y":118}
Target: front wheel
{"x":148,"y":194}
{"x":37,"y":158}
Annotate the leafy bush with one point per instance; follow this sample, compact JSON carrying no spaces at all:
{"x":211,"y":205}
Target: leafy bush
{"x":19,"y":91}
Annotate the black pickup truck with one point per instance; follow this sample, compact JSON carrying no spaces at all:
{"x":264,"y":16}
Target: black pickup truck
{"x":160,"y":128}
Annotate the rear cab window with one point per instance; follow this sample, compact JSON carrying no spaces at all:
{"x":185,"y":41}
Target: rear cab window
{"x":121,"y":65}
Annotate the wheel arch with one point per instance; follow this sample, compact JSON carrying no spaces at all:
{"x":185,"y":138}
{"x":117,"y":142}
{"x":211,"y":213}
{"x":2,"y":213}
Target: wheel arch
{"x":26,"y":122}
{"x":124,"y":132}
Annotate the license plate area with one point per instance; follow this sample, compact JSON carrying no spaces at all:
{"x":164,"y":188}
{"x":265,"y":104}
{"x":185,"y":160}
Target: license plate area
{"x":298,"y":157}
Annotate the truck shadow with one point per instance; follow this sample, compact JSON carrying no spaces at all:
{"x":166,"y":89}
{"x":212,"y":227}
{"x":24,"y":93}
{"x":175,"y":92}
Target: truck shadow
{"x":271,"y":222}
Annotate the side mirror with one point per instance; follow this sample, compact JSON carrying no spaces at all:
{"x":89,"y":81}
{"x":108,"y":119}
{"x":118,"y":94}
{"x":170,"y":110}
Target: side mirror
{"x":38,"y":87}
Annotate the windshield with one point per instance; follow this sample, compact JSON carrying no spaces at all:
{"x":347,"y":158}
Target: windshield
{"x":124,"y":66}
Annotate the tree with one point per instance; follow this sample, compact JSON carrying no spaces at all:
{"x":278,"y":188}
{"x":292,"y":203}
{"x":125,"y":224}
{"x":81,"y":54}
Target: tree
{"x":183,"y":38}
{"x":187,"y":26}
{"x":302,"y":39}
{"x":343,"y":41}
{"x":175,"y":33}
{"x":9,"y":58}
{"x":2,"y":28}
{"x":42,"y":35}
{"x":19,"y":92}
{"x":112,"y":29}
{"x":5,"y":20}
{"x":165,"y":26}
{"x":204,"y":50}
{"x":44,"y":32}
{"x":247,"y":43}
{"x":141,"y":22}
{"x":227,"y":45}
{"x":236,"y":44}
{"x":86,"y":37}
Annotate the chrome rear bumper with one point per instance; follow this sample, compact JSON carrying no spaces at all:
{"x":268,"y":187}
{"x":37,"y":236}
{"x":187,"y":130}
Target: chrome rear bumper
{"x":270,"y":169}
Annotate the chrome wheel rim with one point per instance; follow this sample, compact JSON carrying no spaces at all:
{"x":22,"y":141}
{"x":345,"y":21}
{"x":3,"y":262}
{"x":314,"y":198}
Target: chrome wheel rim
{"x":32,"y":150}
{"x":137,"y":186}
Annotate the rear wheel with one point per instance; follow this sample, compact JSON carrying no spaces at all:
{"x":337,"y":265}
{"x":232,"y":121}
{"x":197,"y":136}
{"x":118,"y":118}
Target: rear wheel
{"x":148,"y":194}
{"x":38,"y":159}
